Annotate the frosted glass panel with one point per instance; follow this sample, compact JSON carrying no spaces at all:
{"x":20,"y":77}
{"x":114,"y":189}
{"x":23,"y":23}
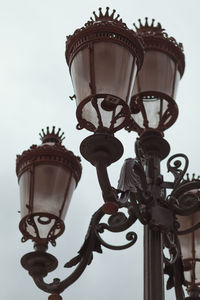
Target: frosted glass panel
{"x":80,"y":73}
{"x":158,"y":73}
{"x":154,"y":110}
{"x":24,"y":187}
{"x":190,"y":246}
{"x":90,"y":114}
{"x":50,"y":186}
{"x":114,"y":69}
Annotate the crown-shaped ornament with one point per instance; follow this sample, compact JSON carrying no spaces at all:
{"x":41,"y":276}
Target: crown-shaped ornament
{"x":153,"y":35}
{"x":192,"y":178}
{"x":52,"y":137}
{"x":148,"y":28}
{"x":106,"y":17}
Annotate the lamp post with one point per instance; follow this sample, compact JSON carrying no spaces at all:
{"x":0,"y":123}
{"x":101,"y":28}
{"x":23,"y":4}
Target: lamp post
{"x":121,"y":79}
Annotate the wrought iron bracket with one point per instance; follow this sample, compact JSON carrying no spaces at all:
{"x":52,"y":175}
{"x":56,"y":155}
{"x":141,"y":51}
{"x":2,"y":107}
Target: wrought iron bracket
{"x":39,"y":263}
{"x":142,"y":191}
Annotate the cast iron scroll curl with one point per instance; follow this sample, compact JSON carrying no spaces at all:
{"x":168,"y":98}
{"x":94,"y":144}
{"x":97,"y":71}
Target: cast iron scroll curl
{"x":118,"y":223}
{"x":93,"y":243}
{"x":176,"y":169}
{"x":130,"y":236}
{"x":183,"y":200}
{"x":185,"y":205}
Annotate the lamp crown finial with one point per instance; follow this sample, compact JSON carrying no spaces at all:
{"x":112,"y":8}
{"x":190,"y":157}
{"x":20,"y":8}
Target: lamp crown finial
{"x":104,"y":17}
{"x":148,"y":28}
{"x":51,"y":136}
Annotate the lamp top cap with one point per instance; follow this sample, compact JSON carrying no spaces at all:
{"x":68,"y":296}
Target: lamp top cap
{"x":103,"y":18}
{"x":106,"y":17}
{"x":104,"y":26}
{"x":149,"y":28}
{"x":52,"y":136}
{"x":51,"y":150}
{"x":154,"y":30}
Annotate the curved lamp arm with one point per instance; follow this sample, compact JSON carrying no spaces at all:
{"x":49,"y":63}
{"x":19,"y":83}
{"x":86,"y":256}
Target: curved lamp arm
{"x":108,"y":192}
{"x":58,"y":286}
{"x":39,"y":263}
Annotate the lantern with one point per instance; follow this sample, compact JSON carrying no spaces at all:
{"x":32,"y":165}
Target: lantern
{"x":47,"y":175}
{"x":153,"y":103}
{"x":190,"y":249}
{"x":190,"y":239}
{"x":103,"y":58}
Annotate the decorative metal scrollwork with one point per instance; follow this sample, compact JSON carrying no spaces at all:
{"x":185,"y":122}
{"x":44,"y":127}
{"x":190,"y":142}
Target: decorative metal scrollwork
{"x":116,"y":108}
{"x":177,"y":169}
{"x":93,"y":243}
{"x":185,"y":200}
{"x":117,"y":223}
{"x":29,"y":227}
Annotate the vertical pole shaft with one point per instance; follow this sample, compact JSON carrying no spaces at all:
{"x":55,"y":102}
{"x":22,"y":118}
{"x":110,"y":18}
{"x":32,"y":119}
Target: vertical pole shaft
{"x":153,"y":148}
{"x":153,"y":265}
{"x":153,"y":241}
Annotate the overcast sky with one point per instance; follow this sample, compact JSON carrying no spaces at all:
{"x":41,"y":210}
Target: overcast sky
{"x":34,"y":93}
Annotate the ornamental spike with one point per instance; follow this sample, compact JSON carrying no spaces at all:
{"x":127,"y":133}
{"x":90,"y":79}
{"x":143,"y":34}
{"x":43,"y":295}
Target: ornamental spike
{"x":53,"y":130}
{"x":107,"y":12}
{"x":112,"y":15}
{"x":117,"y":17}
{"x":95,"y":16}
{"x":152,"y":23}
{"x":100,"y":12}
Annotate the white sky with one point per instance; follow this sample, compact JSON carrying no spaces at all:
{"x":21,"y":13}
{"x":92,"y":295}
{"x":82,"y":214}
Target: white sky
{"x":34,"y":93}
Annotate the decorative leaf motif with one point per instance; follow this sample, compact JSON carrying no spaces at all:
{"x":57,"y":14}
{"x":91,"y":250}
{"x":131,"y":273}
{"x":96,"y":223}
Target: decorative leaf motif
{"x":74,"y":261}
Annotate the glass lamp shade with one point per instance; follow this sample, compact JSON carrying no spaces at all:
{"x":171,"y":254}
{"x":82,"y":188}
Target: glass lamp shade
{"x":190,"y":235}
{"x":103,"y":58}
{"x":47,"y":175}
{"x":153,"y":103}
{"x":190,"y":249}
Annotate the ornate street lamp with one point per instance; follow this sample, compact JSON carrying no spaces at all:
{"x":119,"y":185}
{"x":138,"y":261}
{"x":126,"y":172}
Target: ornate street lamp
{"x":104,"y":57}
{"x":153,"y":103}
{"x":48,"y":175}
